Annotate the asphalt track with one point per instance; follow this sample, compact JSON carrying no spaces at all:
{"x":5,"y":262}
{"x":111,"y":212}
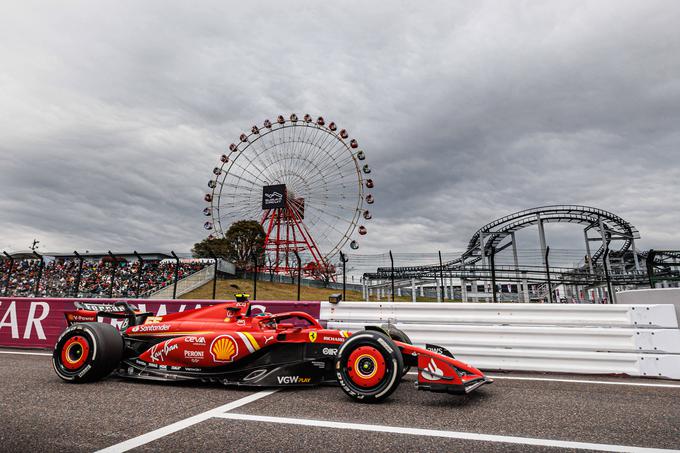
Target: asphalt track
{"x":519,"y":412}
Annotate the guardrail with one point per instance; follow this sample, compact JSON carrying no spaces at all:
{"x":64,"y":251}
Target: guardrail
{"x":488,"y":313}
{"x":638,"y":340}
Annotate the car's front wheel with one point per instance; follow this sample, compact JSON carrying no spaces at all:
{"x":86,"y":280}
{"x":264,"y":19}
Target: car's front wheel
{"x":87,"y":352}
{"x":369,"y":366}
{"x":398,"y":335}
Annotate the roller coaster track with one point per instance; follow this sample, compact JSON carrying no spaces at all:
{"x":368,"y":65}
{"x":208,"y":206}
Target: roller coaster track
{"x":489,"y":237}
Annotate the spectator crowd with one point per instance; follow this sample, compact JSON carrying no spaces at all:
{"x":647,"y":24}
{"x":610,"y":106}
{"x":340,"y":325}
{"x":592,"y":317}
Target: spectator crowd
{"x":59,"y":277}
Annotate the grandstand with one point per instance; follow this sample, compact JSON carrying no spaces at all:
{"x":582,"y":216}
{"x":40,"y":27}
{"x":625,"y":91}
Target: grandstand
{"x":93,"y":275}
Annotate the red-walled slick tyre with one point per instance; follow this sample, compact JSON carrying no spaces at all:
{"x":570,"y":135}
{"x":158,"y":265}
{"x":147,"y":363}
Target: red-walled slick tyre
{"x":369,"y":366}
{"x":87,"y":352}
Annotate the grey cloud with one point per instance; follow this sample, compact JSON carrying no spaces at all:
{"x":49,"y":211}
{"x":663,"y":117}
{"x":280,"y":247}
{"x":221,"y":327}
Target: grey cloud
{"x":112,"y":115}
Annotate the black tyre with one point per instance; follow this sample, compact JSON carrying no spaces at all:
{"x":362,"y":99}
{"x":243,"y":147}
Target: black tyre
{"x":369,"y":366}
{"x":87,"y":352}
{"x":399,"y":335}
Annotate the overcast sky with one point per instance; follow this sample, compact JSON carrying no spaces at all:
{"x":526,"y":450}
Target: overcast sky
{"x":112,"y":116}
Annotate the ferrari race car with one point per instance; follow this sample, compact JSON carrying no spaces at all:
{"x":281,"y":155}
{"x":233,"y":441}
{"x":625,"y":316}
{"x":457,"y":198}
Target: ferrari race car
{"x":225,"y":343}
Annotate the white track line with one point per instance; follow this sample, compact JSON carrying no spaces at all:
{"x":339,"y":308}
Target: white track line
{"x":578,"y":381}
{"x":26,"y":353}
{"x":180,"y":425}
{"x":445,"y":434}
{"x":585,"y":381}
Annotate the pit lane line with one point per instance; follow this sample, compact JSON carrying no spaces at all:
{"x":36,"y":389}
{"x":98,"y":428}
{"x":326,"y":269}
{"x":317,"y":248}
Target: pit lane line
{"x":441,"y":433}
{"x":180,"y":425}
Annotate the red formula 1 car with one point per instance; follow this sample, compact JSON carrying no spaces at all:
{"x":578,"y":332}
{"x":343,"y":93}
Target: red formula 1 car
{"x":225,"y":343}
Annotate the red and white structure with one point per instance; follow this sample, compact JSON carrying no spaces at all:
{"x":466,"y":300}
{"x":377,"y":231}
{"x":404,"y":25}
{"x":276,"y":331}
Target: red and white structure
{"x":306,"y":181}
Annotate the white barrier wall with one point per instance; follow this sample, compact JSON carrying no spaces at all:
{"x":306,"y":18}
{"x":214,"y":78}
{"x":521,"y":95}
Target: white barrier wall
{"x":655,"y":296}
{"x":638,"y":340}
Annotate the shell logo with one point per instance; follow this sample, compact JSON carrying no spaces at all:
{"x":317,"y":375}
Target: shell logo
{"x":224,"y":348}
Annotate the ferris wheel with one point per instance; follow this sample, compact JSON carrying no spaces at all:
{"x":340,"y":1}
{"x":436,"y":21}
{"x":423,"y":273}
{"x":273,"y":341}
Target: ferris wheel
{"x":306,"y":181}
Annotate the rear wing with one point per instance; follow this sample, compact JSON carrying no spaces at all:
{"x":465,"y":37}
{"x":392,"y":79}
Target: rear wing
{"x":92,"y":312}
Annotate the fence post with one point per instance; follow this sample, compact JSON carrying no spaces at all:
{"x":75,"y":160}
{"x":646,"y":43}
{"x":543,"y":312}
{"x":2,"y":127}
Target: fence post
{"x":547,"y":272}
{"x":255,"y":276}
{"x":492,"y":261}
{"x":140,"y":270}
{"x":80,"y":273}
{"x":114,"y":262}
{"x":441,"y":273}
{"x":649,"y":262}
{"x":610,"y":298}
{"x":212,"y":255}
{"x":40,"y":272}
{"x":344,"y":275}
{"x":299,"y":271}
{"x":392,"y":273}
{"x":9,"y":274}
{"x":174,"y":284}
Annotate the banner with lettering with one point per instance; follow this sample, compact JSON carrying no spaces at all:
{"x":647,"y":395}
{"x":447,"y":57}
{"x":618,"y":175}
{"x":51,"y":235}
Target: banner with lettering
{"x":38,"y":322}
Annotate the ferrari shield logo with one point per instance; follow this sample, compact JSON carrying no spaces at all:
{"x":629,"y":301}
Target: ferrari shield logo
{"x":312,"y":336}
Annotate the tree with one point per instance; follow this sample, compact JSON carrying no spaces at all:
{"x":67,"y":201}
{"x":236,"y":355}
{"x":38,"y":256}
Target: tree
{"x":246,"y":240}
{"x":324,"y":272}
{"x":243,"y":241}
{"x":219,"y":246}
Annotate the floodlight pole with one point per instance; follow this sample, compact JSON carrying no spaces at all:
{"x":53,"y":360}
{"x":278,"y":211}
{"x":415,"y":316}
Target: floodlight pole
{"x":176,"y":276}
{"x":9,"y":274}
{"x":40,"y":272}
{"x":113,"y":273}
{"x":299,"y":272}
{"x":80,"y":273}
{"x":140,"y":260}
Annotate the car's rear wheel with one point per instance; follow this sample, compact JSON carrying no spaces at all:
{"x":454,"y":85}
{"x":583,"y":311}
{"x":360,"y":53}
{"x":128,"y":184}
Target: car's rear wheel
{"x":369,"y":366}
{"x":87,"y":352}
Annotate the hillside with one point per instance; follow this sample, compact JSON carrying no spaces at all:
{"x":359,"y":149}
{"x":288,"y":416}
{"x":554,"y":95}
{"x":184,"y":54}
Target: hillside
{"x":265,"y":291}
{"x":276,"y":291}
